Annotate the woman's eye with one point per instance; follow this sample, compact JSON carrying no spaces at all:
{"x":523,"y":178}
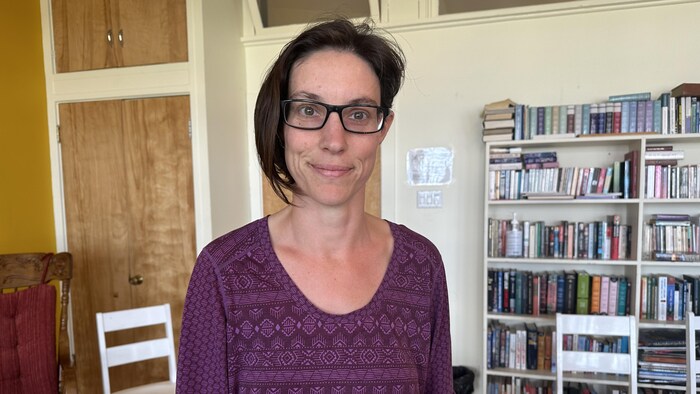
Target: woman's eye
{"x":358,"y":115}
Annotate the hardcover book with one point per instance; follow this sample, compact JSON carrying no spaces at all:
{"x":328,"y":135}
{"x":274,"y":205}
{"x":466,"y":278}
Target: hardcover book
{"x":686,"y":89}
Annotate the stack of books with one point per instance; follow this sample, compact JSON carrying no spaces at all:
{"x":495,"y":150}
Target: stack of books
{"x":499,"y":121}
{"x":662,"y":357}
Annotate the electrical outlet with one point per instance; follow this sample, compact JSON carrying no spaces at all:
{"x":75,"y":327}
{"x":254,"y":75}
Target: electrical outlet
{"x":429,"y":199}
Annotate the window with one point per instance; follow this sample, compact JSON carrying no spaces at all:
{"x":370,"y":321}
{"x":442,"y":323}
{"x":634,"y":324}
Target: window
{"x":457,"y":6}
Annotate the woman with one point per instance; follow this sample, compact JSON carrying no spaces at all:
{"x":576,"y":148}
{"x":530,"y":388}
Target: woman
{"x":320,"y":297}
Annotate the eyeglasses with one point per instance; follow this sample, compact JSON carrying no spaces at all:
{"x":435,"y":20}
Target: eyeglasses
{"x":312,"y":115}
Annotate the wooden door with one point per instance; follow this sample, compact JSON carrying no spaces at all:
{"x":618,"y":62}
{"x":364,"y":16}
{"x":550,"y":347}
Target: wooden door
{"x":152,"y":32}
{"x":97,"y":34}
{"x":80,"y":29}
{"x":128,"y":195}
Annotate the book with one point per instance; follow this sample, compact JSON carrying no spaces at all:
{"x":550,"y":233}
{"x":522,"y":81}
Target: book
{"x":499,"y":124}
{"x":630,"y":97}
{"x":595,"y":294}
{"x":583,"y":291}
{"x":664,"y":155}
{"x":682,"y":257}
{"x":633,"y":158}
{"x":604,"y":294}
{"x":661,"y":294}
{"x":505,"y":130}
{"x":502,"y":106}
{"x":613,"y":295}
{"x":686,"y":89}
{"x":499,"y":115}
{"x":497,"y":137}
{"x":570,"y":290}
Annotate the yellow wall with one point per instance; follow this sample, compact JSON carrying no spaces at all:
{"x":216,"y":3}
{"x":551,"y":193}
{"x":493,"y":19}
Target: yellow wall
{"x":26,"y":211}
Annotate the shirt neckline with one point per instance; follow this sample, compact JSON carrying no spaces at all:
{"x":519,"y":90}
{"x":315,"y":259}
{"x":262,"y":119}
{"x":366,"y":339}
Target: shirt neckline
{"x":302,"y":301}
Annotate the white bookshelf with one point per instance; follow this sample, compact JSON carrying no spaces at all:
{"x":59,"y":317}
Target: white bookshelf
{"x":598,"y":151}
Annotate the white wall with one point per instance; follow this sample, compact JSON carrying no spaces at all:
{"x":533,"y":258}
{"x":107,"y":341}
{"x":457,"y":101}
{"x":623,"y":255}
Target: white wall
{"x":226,"y":115}
{"x":456,"y":66}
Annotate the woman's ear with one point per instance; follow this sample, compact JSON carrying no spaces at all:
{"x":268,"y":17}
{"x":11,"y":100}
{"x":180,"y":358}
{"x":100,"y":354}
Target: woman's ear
{"x":387,"y":125}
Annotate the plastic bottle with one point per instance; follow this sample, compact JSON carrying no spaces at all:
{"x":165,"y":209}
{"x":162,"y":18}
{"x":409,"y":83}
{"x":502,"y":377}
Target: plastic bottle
{"x":514,"y":239}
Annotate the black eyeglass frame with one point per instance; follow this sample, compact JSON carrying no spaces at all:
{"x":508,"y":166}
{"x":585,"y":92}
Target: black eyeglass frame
{"x":334,"y":108}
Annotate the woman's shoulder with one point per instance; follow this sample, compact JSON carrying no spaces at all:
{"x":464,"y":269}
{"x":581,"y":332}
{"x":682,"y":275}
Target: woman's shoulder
{"x":238,"y":242}
{"x":412,"y":242}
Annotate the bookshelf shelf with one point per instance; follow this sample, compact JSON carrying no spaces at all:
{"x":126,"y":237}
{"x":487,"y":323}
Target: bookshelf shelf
{"x":510,"y":372}
{"x":643,"y":323}
{"x":541,"y":319}
{"x":574,"y":201}
{"x":593,"y":151}
{"x":655,"y":201}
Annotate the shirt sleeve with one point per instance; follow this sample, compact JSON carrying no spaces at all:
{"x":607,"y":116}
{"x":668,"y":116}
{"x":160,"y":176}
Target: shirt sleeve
{"x":202,"y":358}
{"x":440,"y":370}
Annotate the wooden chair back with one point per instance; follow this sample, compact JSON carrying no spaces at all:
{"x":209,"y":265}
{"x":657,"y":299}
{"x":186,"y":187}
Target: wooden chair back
{"x":23,"y":270}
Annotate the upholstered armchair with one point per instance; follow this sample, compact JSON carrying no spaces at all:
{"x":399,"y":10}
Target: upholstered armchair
{"x":33,"y":359}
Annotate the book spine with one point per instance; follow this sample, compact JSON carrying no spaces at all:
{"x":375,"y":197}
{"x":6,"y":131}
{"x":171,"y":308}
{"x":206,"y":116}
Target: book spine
{"x":612,"y":297}
{"x":604,"y":294}
{"x":662,"y":293}
{"x":583,"y":284}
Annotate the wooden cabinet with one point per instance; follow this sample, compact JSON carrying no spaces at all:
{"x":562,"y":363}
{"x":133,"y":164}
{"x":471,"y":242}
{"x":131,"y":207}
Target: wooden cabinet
{"x":98,"y":34}
{"x":128,"y":191}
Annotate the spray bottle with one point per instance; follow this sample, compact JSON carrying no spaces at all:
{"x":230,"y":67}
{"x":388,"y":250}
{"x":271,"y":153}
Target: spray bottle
{"x":514,"y":239}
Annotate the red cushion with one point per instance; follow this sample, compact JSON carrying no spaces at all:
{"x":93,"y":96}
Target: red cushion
{"x":27,"y":343}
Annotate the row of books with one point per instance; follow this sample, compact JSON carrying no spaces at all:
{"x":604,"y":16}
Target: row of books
{"x":527,"y":346}
{"x":672,"y":237}
{"x":518,"y":385}
{"x":602,"y":240}
{"x":509,"y":181}
{"x":668,"y":298}
{"x":674,"y":112}
{"x":666,"y":181}
{"x":662,"y":357}
{"x":547,"y":293}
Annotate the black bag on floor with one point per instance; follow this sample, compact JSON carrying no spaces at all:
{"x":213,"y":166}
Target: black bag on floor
{"x":463,"y":380}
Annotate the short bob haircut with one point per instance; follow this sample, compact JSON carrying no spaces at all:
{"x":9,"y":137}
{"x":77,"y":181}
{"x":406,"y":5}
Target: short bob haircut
{"x":384,"y":56}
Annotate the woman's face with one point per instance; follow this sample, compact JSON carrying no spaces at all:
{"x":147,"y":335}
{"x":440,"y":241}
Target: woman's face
{"x":331,"y":166}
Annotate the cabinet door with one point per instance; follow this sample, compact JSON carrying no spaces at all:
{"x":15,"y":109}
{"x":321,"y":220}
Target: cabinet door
{"x":97,"y":34}
{"x":80,"y":34}
{"x":150,"y":32}
{"x":128,"y":191}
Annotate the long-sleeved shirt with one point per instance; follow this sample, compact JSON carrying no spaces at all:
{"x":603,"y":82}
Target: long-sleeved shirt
{"x":247,"y":328}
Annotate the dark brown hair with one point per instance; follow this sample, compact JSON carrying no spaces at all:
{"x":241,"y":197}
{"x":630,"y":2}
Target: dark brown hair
{"x":382,"y":54}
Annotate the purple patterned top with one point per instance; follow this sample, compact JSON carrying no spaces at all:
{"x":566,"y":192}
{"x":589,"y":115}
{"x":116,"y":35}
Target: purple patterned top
{"x":247,"y":328}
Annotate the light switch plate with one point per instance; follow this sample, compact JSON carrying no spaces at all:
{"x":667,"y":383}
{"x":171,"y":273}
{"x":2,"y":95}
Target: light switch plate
{"x":429,"y":198}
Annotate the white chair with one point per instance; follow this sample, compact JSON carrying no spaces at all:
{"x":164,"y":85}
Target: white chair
{"x":139,"y":351}
{"x":692,"y":323}
{"x":608,"y":365}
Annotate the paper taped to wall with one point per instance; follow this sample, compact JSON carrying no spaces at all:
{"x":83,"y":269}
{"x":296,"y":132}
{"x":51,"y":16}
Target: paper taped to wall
{"x":429,"y":166}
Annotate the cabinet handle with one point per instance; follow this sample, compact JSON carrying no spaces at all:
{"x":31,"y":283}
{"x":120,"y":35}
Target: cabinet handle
{"x":109,"y":37}
{"x":136,"y":280}
{"x":120,"y":37}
